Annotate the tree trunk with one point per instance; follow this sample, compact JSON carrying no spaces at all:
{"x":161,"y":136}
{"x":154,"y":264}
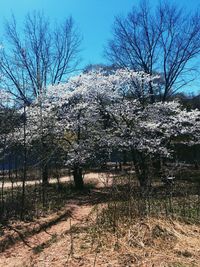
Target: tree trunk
{"x":45,"y":175}
{"x":143,"y":180}
{"x":141,"y":169}
{"x":78,"y":178}
{"x":24,"y":166}
{"x":124,"y":153}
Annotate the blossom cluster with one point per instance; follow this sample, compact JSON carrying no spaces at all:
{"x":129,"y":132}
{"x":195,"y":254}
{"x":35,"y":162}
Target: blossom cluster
{"x":98,"y":112}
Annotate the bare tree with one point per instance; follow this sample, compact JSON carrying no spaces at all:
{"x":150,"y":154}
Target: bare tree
{"x":35,"y":57}
{"x":165,"y":41}
{"x":38,"y":55}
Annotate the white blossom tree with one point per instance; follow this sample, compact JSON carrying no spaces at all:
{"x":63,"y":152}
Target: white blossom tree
{"x":98,"y":112}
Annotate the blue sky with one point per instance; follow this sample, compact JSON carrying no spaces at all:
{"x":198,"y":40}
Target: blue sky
{"x":93,"y":17}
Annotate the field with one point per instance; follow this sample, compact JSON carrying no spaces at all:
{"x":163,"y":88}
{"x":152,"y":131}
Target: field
{"x":111,"y":223}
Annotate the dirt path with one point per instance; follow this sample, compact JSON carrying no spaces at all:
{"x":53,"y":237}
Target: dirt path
{"x":52,"y":245}
{"x":153,"y":243}
{"x":36,"y":250}
{"x":93,"y":176}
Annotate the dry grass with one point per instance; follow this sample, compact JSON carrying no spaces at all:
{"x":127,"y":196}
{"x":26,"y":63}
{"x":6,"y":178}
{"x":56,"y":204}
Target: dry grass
{"x":147,"y":242}
{"x":86,"y":241}
{"x":110,"y":228}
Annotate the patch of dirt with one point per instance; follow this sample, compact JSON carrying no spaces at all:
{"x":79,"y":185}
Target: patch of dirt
{"x":25,"y":252}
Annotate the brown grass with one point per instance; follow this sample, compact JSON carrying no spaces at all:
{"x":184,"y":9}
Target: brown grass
{"x":100,"y":233}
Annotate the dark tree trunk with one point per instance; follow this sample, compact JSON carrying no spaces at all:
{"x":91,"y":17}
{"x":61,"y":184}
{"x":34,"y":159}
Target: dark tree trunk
{"x":24,"y":167}
{"x":157,"y":166}
{"x":2,"y":186}
{"x":143,"y":180}
{"x":78,"y":178}
{"x":124,"y":157}
{"x":45,"y":175}
{"x":141,"y":169}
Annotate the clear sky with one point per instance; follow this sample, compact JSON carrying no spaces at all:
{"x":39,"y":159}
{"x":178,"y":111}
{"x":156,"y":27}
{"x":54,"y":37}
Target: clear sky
{"x":93,"y":17}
